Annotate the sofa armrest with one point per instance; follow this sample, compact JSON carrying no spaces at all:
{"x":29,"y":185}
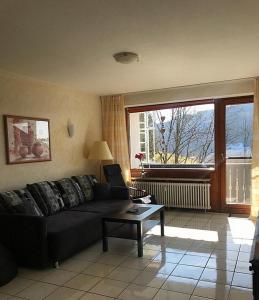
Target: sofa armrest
{"x":26,"y":238}
{"x":120,"y":192}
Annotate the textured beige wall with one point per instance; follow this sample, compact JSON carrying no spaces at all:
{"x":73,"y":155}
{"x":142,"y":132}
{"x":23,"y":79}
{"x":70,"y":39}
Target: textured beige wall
{"x":28,"y":97}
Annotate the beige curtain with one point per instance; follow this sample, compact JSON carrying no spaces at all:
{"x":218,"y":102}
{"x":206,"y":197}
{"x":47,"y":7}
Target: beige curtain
{"x":255,"y":161}
{"x":114,"y":131}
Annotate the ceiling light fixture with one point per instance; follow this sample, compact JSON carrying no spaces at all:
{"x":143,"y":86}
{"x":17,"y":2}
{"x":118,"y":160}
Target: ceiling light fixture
{"x":126,"y":57}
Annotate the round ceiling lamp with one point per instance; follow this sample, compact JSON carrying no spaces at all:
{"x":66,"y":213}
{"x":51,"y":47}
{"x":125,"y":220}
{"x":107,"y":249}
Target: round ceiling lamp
{"x":126,"y":57}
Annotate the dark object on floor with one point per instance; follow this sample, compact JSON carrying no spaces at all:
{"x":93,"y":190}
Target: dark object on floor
{"x":8,"y":268}
{"x":115,"y":179}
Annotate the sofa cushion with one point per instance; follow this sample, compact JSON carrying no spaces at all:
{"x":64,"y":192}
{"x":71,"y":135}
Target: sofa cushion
{"x":102,"y":191}
{"x":71,"y":231}
{"x":57,"y":194}
{"x":85,"y":186}
{"x":47,"y":196}
{"x":69,"y":192}
{"x":12,"y":203}
{"x":31,"y":207}
{"x":36,"y":194}
{"x":105,"y":207}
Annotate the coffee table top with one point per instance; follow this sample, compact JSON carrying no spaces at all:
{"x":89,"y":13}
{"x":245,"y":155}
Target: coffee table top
{"x":148,"y":211}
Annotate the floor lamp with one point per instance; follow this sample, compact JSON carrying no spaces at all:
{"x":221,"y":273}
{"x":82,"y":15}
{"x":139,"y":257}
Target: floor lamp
{"x":100,"y":151}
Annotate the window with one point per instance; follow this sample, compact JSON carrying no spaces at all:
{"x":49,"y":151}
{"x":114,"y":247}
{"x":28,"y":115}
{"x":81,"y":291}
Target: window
{"x":181,"y":136}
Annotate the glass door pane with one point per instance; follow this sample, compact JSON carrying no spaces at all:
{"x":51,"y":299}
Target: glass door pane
{"x":239,"y":135}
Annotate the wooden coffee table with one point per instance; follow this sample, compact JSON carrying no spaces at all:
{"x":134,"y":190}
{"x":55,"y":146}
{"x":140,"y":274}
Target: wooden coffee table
{"x":133,"y":225}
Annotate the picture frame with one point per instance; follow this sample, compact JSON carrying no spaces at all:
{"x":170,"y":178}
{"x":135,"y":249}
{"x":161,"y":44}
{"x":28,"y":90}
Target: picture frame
{"x":27,"y":139}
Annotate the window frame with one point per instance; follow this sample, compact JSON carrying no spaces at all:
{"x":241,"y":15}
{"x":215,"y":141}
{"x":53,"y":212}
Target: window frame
{"x":153,"y":107}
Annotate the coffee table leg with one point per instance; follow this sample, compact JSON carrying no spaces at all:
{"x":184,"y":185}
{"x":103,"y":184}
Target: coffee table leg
{"x":105,"y":239}
{"x":162,"y":222}
{"x":140,"y":239}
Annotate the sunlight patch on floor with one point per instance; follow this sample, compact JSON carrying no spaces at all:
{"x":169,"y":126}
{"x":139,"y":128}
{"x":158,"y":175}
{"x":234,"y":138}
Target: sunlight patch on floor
{"x":187,"y":233}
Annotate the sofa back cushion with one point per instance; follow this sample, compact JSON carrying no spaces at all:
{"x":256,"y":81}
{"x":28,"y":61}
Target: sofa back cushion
{"x":12,"y":203}
{"x":69,"y":192}
{"x":31,"y":207}
{"x":85,"y":186}
{"x":45,"y":197}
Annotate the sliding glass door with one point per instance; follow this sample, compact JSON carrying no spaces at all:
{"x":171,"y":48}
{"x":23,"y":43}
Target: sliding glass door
{"x":236,"y":154}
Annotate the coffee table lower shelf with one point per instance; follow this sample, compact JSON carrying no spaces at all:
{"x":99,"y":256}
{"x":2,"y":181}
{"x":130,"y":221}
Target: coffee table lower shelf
{"x":132,"y":227}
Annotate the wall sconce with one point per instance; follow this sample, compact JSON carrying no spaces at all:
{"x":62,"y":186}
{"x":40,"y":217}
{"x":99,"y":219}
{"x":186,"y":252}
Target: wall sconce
{"x":70,"y":128}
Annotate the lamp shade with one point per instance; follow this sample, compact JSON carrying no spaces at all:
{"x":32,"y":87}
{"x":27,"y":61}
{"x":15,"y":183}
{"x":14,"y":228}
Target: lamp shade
{"x":100,"y":151}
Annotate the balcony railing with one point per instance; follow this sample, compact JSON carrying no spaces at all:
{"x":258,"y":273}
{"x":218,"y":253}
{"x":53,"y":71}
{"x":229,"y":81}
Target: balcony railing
{"x":238,"y":180}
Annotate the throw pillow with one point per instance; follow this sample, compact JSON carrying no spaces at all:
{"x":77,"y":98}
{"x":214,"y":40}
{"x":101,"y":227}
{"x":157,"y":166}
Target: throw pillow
{"x":57,"y":194}
{"x":85,"y":186}
{"x":68,"y":192}
{"x":36,"y":194}
{"x":49,"y":197}
{"x":12,"y":202}
{"x":31,"y":207}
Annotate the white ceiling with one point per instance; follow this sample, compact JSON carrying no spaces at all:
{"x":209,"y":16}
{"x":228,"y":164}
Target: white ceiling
{"x":184,"y":42}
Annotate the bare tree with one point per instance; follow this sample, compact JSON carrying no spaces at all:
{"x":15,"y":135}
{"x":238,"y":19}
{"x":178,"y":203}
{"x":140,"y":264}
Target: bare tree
{"x":185,"y":138}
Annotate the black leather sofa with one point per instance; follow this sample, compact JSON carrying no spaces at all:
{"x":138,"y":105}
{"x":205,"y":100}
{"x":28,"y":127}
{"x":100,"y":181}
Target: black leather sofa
{"x":39,"y":239}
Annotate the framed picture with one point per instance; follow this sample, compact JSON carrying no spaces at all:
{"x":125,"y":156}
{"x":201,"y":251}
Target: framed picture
{"x":27,"y":139}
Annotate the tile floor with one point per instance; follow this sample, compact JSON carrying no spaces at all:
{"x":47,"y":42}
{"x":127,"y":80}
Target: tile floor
{"x":203,"y":256}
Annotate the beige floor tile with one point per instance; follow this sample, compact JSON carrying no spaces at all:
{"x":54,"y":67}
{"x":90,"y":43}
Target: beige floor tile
{"x":32,"y":274}
{"x":74,"y":265}
{"x":155,"y":280}
{"x":37,"y":291}
{"x":136,"y":263}
{"x":219,"y":276}
{"x":244,"y":256}
{"x":123,"y":274}
{"x":58,"y":277}
{"x":97,"y":269}
{"x":198,"y":298}
{"x":242,"y":267}
{"x":224,"y":254}
{"x":212,"y":290}
{"x":169,"y":295}
{"x":138,"y":292}
{"x":63,"y":293}
{"x":15,"y":286}
{"x":238,"y":293}
{"x":109,"y":287}
{"x":191,"y":260}
{"x":89,"y":296}
{"x":111,"y":259}
{"x":83,"y":282}
{"x":161,"y":267}
{"x":227,"y":246}
{"x":147,"y":253}
{"x":242,"y":280}
{"x":87,"y":255}
{"x":169,"y":257}
{"x":221,"y":264}
{"x":180,"y":284}
{"x":4,"y":296}
{"x":188,"y":271}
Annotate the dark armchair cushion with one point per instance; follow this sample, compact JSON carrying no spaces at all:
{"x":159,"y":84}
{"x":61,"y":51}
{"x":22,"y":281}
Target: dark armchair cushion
{"x":113,"y":175}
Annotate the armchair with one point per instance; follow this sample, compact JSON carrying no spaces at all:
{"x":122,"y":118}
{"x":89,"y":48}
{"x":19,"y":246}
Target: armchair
{"x":114,"y":177}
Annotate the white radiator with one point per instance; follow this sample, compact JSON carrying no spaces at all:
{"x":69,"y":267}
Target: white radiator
{"x":177,"y":194}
